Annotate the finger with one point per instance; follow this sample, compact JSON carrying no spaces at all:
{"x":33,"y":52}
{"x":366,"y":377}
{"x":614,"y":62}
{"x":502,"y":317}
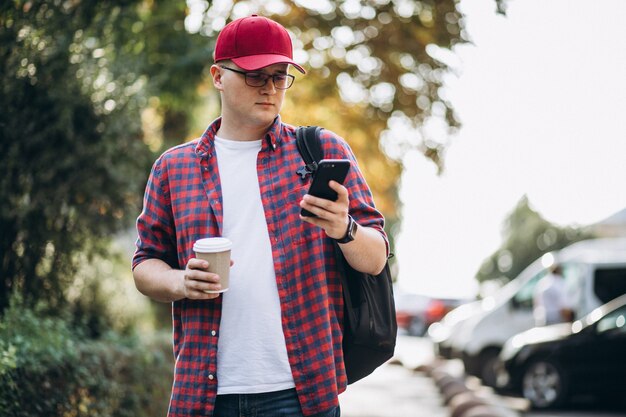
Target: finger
{"x":343,"y":198}
{"x":201,"y":295}
{"x":196,"y":286}
{"x":204,"y":285}
{"x":317,"y":221}
{"x":316,"y":205}
{"x":341,"y":191}
{"x":197,"y":263}
{"x":201,"y":276}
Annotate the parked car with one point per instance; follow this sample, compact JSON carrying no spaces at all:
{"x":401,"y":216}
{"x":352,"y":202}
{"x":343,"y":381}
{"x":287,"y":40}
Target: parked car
{"x":410,"y":309}
{"x":595,"y":273}
{"x":552,"y":365}
{"x":415,"y":312}
{"x":444,"y":332}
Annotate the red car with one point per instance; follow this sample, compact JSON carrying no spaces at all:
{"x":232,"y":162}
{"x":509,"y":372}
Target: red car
{"x":415,"y":312}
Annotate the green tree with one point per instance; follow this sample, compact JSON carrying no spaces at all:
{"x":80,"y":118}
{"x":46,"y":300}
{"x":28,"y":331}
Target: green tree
{"x":526,"y":237}
{"x":74,"y":79}
{"x":371,"y":65}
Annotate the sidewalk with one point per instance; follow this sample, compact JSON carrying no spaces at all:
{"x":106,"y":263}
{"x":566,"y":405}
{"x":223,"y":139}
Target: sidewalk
{"x":394,"y":390}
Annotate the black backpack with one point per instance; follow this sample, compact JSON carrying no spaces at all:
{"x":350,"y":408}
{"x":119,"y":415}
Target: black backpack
{"x":370,"y":328}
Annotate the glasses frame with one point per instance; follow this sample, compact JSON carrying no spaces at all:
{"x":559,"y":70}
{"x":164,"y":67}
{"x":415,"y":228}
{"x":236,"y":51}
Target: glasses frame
{"x":290,"y":78}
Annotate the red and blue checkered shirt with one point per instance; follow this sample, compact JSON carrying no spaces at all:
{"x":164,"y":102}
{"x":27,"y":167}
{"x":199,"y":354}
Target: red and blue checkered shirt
{"x":182,"y":203}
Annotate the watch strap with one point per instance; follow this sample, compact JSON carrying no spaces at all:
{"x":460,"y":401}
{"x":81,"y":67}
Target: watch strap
{"x":350,"y":231}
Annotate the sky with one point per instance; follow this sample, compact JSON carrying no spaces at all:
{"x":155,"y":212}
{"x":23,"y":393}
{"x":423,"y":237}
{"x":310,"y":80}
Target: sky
{"x":541,"y":94}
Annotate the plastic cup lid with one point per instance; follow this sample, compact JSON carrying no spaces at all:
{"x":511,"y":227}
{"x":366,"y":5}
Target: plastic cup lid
{"x":212,"y":244}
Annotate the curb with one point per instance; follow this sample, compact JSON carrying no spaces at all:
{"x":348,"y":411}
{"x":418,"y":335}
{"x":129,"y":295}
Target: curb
{"x":461,"y":400}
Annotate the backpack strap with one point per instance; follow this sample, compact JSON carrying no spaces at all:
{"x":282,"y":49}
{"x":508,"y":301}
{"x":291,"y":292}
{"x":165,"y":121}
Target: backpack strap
{"x":310,"y":148}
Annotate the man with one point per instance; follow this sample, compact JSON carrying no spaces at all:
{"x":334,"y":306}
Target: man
{"x":271,"y":344}
{"x":550,"y":299}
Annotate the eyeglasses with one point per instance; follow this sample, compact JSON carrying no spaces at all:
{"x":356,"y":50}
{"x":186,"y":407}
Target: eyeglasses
{"x":259,"y":79}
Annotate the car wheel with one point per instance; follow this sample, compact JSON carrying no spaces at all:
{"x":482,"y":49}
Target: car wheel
{"x":488,"y":371}
{"x":417,"y":327}
{"x":544,"y":384}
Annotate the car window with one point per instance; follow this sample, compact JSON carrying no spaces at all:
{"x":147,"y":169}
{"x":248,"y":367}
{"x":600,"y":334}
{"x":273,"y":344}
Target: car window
{"x":524,"y":297}
{"x":615,"y":320}
{"x":609,"y":283}
{"x":573,"y":274}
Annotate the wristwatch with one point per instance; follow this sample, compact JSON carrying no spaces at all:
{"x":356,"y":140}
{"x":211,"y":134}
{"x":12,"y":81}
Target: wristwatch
{"x":350,"y":231}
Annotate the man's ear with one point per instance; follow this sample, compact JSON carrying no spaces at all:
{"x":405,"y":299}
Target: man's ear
{"x":216,"y":74}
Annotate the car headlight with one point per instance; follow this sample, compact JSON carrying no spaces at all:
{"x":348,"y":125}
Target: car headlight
{"x":511,"y":348}
{"x":438,"y":332}
{"x":502,"y":377}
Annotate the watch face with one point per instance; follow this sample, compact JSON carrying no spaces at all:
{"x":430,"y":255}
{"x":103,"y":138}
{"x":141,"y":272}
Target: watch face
{"x":352,"y":230}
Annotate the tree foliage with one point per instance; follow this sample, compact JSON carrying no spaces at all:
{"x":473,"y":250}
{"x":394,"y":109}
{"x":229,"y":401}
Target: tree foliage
{"x":75,"y":77}
{"x":49,"y":367}
{"x":371,"y":64}
{"x":527,"y":236}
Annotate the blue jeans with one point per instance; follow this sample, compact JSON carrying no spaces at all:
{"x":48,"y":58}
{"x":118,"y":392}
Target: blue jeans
{"x":270,"y":404}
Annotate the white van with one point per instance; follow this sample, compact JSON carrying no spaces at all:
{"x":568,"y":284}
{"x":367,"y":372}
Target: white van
{"x":595,"y":273}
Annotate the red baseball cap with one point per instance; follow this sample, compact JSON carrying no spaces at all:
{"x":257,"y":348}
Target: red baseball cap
{"x":255,"y":42}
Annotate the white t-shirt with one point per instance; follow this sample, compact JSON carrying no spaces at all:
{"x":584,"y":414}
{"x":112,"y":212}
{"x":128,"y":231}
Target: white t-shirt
{"x":251,"y":350}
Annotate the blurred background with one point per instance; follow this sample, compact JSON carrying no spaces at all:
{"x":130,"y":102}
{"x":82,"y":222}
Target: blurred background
{"x":490,"y":132}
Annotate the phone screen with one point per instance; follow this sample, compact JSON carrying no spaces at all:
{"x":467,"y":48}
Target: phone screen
{"x":327,"y":170}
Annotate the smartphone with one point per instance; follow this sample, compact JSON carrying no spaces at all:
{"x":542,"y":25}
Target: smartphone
{"x":327,"y":170}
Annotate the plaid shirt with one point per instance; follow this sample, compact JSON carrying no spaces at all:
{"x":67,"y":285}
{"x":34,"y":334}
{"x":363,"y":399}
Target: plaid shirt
{"x":182,"y":203}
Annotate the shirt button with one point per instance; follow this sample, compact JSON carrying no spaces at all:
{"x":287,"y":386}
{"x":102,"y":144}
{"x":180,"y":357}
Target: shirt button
{"x":213,"y":332}
{"x":211,"y":377}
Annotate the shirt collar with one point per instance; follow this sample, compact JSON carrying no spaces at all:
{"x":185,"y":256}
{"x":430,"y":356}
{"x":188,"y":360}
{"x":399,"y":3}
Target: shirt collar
{"x":206,"y":144}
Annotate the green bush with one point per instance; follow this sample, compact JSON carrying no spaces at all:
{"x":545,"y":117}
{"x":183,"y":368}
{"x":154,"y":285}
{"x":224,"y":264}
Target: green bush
{"x":49,"y":369}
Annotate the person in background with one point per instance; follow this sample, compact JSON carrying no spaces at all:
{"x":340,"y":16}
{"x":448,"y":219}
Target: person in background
{"x":551,"y":303}
{"x":271,"y":344}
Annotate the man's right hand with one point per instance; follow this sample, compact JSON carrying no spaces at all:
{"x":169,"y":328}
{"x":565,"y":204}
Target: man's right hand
{"x":161,"y":282}
{"x":197,"y":280}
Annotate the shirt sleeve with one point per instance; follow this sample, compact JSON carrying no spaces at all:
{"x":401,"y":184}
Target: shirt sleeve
{"x":155,"y":224}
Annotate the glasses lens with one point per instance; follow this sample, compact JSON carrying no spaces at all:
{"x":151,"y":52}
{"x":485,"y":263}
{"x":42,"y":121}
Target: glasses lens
{"x":282,"y":81}
{"x":256,"y":79}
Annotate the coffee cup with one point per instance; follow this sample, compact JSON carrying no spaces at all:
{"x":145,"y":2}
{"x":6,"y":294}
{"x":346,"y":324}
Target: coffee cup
{"x":216,"y":251}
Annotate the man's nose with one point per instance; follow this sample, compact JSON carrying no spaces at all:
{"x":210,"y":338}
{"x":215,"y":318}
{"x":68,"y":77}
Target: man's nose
{"x":269,"y":86}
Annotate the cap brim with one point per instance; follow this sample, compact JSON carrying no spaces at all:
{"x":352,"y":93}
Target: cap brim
{"x":256,"y":62}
